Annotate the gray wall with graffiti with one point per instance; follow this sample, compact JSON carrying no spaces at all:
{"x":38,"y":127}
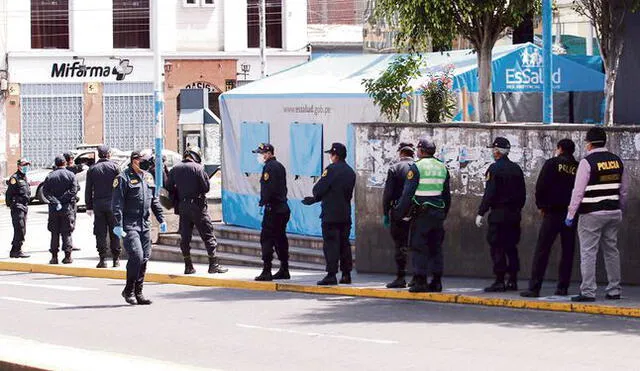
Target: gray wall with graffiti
{"x":463,"y":148}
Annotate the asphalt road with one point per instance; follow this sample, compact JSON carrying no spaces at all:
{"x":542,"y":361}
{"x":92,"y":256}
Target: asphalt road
{"x":243,"y":330}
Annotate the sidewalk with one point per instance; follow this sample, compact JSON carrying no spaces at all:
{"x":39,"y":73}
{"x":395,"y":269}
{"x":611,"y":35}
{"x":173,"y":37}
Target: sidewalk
{"x":457,"y":290}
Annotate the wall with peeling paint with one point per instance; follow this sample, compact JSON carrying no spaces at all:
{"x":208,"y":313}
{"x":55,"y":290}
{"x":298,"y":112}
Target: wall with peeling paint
{"x":463,"y":148}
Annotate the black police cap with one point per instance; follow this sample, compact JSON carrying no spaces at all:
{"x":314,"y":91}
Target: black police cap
{"x":426,"y":143}
{"x":500,"y":142}
{"x":596,"y":135}
{"x":264,"y":148}
{"x":337,"y":149}
{"x":135,"y":155}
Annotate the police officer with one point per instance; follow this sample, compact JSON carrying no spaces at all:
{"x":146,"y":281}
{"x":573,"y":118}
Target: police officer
{"x":98,"y":195}
{"x":190,"y":183}
{"x":273,"y":197}
{"x":553,"y":193}
{"x":398,"y":227}
{"x":71,"y":166}
{"x":335,"y":190}
{"x":427,"y":196}
{"x":17,"y":199}
{"x":60,"y":189}
{"x":133,"y":198}
{"x":505,"y":194}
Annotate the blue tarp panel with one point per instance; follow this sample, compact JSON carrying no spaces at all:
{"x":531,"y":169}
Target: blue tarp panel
{"x":351,"y":146}
{"x":306,"y":149}
{"x":251,"y":135}
{"x":593,"y":62}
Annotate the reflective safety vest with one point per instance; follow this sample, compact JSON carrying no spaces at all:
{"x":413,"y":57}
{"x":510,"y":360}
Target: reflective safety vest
{"x":433,"y":175}
{"x":603,"y":190}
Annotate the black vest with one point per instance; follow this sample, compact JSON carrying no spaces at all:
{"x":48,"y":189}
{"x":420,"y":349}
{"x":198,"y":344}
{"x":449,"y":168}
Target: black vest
{"x":603,"y":189}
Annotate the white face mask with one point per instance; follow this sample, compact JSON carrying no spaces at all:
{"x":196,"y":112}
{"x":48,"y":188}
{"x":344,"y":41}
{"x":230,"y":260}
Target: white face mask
{"x":260,"y":158}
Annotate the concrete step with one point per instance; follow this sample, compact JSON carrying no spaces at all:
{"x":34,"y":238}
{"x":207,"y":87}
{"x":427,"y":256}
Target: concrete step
{"x":247,"y":248}
{"x":173,"y":253}
{"x":245,"y":234}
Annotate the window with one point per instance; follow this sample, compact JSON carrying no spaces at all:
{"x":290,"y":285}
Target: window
{"x":50,"y":24}
{"x":131,"y":24}
{"x":274,"y":23}
{"x":208,"y":3}
{"x":190,"y":3}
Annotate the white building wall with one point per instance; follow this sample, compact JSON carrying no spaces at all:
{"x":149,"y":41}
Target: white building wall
{"x":200,"y":28}
{"x":19,"y":26}
{"x":90,"y":26}
{"x":294,"y":19}
{"x":235,"y":25}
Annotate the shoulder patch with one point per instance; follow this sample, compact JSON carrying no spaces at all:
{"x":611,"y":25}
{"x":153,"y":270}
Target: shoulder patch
{"x":134,"y":181}
{"x":265,"y":176}
{"x":115,"y":182}
{"x":149,"y":179}
{"x":13,"y":180}
{"x":325,"y":172}
{"x":410,"y":175}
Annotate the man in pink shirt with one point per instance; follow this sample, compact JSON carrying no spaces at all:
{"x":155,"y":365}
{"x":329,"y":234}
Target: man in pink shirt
{"x":598,"y":197}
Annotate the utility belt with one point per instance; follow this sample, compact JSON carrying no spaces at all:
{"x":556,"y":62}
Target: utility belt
{"x":193,"y":200}
{"x":20,"y":201}
{"x":426,"y":208}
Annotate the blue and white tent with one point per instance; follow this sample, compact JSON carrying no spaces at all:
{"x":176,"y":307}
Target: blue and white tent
{"x":304,"y":109}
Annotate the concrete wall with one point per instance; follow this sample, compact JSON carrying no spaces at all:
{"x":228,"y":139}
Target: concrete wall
{"x":627,"y":109}
{"x":466,"y":250}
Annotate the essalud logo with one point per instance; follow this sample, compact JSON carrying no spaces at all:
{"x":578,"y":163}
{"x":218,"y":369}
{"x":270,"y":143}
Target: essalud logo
{"x":529,"y":74}
{"x":531,"y":57}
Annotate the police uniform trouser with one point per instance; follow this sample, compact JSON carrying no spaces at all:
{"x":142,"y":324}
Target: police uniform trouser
{"x":103,"y":224}
{"x":399,"y":230}
{"x":503,"y":237}
{"x":61,"y":224}
{"x":427,"y":235}
{"x":337,"y":247}
{"x":552,"y":225}
{"x":19,"y":221}
{"x":274,"y":234}
{"x":195,"y":213}
{"x":138,"y":247}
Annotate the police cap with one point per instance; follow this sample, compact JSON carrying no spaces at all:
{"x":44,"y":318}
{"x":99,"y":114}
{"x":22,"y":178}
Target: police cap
{"x":135,"y":155}
{"x":337,"y":149}
{"x":60,"y":160}
{"x":596,"y":135}
{"x":23,"y":162}
{"x":103,"y":151}
{"x":426,"y":143}
{"x":264,"y":148}
{"x":500,"y":142}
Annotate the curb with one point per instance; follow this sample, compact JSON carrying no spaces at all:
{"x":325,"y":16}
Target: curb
{"x":327,"y":290}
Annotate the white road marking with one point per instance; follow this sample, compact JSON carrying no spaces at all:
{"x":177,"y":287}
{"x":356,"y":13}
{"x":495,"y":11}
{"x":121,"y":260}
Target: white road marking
{"x":10,"y":298}
{"x":317,"y":334}
{"x":52,"y":287}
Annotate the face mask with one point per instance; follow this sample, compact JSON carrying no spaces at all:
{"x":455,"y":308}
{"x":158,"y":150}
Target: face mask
{"x":145,"y":165}
{"x":260,"y":159}
{"x":24,"y":169}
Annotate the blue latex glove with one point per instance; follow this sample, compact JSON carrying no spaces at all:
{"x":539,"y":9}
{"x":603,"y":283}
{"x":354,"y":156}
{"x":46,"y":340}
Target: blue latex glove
{"x":58,"y":207}
{"x":118,"y":231}
{"x":261,"y":210}
{"x":385,"y":221}
{"x":163,"y":227}
{"x":568,"y":222}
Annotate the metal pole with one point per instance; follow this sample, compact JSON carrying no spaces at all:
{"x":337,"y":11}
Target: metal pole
{"x":157,"y":92}
{"x":547,"y":20}
{"x":263,"y":38}
{"x":590,"y":39}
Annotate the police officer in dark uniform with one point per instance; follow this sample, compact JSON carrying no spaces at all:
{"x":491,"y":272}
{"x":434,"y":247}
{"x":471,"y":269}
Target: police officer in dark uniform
{"x":505,"y":194}
{"x":553,"y":194}
{"x":189,"y":183}
{"x":133,"y":199}
{"x":98,"y":195}
{"x":273,"y":198}
{"x":427,"y":196}
{"x":17,"y":199}
{"x":398,"y":227}
{"x":335,"y":190}
{"x":60,"y":189}
{"x":71,"y":166}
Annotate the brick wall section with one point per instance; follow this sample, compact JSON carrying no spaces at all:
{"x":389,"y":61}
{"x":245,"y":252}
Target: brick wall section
{"x":337,"y":12}
{"x":14,"y":150}
{"x":93,"y":113}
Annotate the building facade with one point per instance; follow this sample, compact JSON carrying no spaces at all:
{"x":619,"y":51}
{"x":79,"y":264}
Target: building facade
{"x":81,"y":71}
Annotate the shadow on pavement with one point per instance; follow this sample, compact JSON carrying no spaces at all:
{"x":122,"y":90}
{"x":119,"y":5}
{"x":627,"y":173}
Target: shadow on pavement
{"x":93,"y":307}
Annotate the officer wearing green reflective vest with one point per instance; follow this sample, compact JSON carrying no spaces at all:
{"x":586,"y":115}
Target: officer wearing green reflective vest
{"x":427,"y":198}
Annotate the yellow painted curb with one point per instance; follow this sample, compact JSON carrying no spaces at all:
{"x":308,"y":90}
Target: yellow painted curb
{"x":367,"y":292}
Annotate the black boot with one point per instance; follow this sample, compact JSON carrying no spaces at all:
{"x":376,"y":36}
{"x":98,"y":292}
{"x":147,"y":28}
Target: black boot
{"x":116,"y":260}
{"x":18,"y":254}
{"x":420,"y":284}
{"x":398,"y":283}
{"x":140,"y":299}
{"x":283,"y":272}
{"x":266,"y":273}
{"x":412,"y":282}
{"x":346,"y":278}
{"x":215,"y":267}
{"x":54,"y":258}
{"x":497,"y":286}
{"x":127,"y":293}
{"x":531,"y":293}
{"x":188,"y":266}
{"x":436,"y":284}
{"x":101,"y":263}
{"x":512,"y":284}
{"x":67,"y":258}
{"x":328,"y":280}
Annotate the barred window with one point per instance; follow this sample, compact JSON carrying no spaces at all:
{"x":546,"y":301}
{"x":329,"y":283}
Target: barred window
{"x":131,"y":24}
{"x":50,"y":24}
{"x":273,"y":20}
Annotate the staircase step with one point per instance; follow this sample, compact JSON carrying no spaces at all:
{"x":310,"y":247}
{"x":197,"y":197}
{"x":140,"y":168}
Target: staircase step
{"x":173,"y":253}
{"x":246,"y":234}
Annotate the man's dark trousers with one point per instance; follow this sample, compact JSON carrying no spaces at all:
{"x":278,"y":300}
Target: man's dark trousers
{"x":399,"y":230}
{"x":19,"y":221}
{"x":274,"y":235}
{"x":503,"y":237}
{"x":427,"y":236}
{"x":337,"y":247}
{"x":103,"y":224}
{"x":138,"y":247}
{"x":194,"y":212}
{"x":61,"y":224}
{"x":552,"y":225}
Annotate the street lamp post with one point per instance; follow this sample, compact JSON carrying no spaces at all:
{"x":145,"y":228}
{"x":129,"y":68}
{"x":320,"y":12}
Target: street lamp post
{"x":157,"y":93}
{"x":547,"y":20}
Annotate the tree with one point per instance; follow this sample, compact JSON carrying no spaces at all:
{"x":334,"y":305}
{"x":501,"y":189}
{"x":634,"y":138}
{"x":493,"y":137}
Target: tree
{"x":482,"y":22}
{"x":608,"y":17}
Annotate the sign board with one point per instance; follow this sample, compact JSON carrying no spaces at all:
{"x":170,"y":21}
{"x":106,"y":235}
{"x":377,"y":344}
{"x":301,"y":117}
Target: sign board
{"x":211,"y":88}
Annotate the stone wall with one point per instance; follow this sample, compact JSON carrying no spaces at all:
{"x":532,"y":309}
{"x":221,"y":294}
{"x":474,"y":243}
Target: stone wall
{"x":463,"y":148}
